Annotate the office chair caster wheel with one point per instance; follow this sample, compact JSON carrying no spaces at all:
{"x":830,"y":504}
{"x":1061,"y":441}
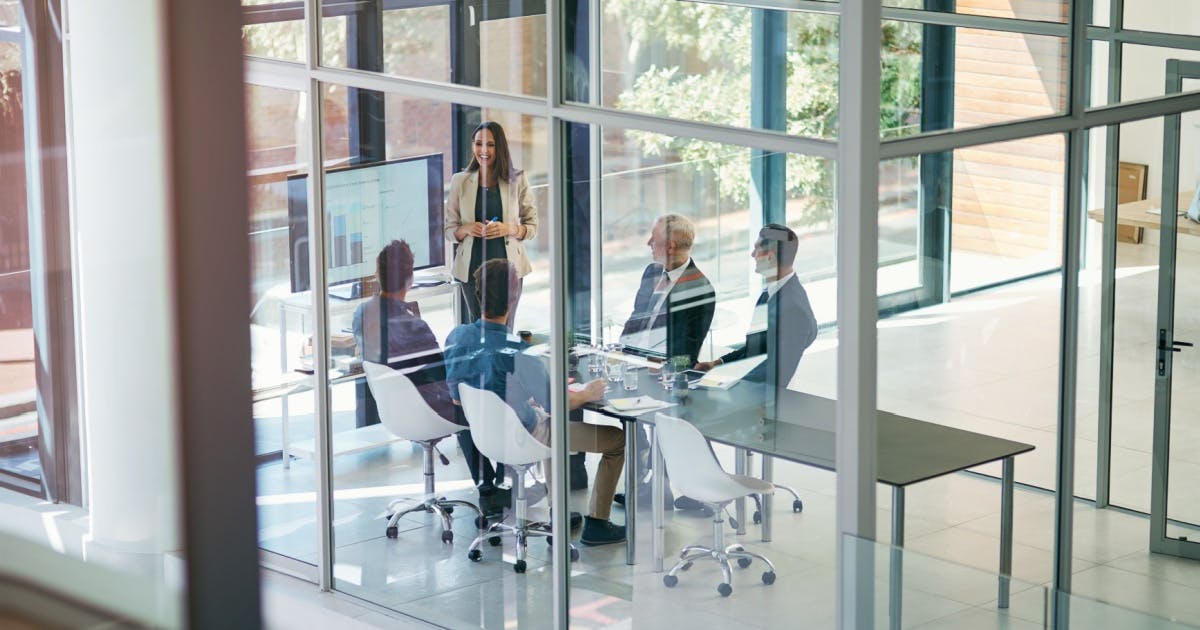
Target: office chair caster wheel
{"x":494,"y":541}
{"x":757,"y":517}
{"x":392,"y":531}
{"x":549,"y":541}
{"x":670,"y":581}
{"x":474,"y":555}
{"x":519,"y":566}
{"x":449,"y":509}
{"x":574,"y":555}
{"x":768,"y":578}
{"x":447,"y":537}
{"x":686,"y":566}
{"x":724,"y":589}
{"x":481,"y":522}
{"x":743,"y":562}
{"x":733,"y":522}
{"x":797,"y":506}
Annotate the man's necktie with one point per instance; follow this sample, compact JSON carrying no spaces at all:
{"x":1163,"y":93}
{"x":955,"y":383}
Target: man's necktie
{"x":762,"y":298}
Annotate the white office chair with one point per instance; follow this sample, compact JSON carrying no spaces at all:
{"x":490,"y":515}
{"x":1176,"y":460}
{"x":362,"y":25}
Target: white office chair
{"x":406,"y":414}
{"x":696,"y":473}
{"x":501,"y":437}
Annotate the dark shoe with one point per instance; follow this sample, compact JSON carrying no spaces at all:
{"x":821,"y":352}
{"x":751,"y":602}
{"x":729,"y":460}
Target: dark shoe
{"x":644,"y":494}
{"x":576,"y":520}
{"x":690,"y":504}
{"x":495,"y":502}
{"x":579,"y":473}
{"x":600,"y":532}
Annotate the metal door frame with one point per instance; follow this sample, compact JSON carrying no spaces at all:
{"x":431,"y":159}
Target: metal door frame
{"x":1166,"y":346}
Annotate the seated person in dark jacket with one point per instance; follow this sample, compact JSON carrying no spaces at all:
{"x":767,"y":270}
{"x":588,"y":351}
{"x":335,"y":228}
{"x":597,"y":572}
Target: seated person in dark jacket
{"x":410,"y":342}
{"x":783,"y":325}
{"x":485,"y":355}
{"x":672,"y":311}
{"x":675,"y":302}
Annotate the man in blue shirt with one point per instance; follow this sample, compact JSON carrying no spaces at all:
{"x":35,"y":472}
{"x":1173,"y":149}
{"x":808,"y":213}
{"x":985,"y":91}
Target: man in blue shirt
{"x":484,"y":354}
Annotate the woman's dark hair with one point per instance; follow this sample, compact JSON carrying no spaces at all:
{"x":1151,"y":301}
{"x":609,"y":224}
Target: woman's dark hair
{"x":496,"y":276}
{"x":394,"y":266}
{"x":503,"y":160}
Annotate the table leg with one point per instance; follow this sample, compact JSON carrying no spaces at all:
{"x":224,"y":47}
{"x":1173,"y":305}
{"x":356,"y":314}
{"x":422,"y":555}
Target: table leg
{"x":741,"y":464}
{"x":1006,"y":530}
{"x":656,"y":501}
{"x":768,"y":475}
{"x":283,"y":356}
{"x":896,"y":581}
{"x":631,"y":490}
{"x":287,"y":459}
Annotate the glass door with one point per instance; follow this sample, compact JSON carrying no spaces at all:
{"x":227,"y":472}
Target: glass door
{"x":1175,"y":498}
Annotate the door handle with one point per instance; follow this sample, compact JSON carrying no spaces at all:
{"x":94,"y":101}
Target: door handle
{"x":1185,"y":344}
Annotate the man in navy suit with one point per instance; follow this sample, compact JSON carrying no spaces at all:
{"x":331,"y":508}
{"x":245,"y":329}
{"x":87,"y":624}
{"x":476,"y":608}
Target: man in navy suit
{"x":675,"y":302}
{"x":783,"y":325}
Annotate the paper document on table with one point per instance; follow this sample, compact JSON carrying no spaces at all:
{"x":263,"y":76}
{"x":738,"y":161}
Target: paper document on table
{"x":638,"y":404}
{"x":727,"y":375}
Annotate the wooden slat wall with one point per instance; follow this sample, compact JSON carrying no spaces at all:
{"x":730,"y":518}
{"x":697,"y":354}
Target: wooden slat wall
{"x":1008,"y":197}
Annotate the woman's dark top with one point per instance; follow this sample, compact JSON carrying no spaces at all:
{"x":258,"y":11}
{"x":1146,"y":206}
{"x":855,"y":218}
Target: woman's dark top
{"x":494,"y":246}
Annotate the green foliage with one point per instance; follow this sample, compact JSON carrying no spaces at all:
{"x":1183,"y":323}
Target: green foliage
{"x":710,"y":81}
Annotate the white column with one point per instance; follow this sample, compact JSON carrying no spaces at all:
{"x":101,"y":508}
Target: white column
{"x":126,"y":359}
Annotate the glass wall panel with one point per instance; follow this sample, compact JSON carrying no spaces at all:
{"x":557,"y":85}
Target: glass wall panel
{"x":988,"y":362}
{"x":10,"y":12}
{"x":1135,"y":323}
{"x":273,"y":29}
{"x":281,"y":325}
{"x":495,"y":45}
{"x":1163,"y":16}
{"x":1144,"y":70}
{"x":658,"y":59}
{"x":1042,"y":10}
{"x":20,"y":466}
{"x":425,"y":380}
{"x":1006,"y":211}
{"x":712,"y":313}
{"x":904,"y":217}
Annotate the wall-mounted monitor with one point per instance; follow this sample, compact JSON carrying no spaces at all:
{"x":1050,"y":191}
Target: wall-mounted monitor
{"x":366,"y":207}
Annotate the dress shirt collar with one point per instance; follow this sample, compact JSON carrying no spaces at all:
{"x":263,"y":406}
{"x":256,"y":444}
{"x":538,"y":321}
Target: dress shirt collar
{"x":673,"y":275}
{"x":774,"y":287}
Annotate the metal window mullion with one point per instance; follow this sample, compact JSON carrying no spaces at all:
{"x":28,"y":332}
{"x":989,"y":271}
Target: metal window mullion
{"x":319,"y":289}
{"x":559,"y":316}
{"x":1114,"y":114}
{"x":1108,"y":266}
{"x":1143,"y":38}
{"x":858,"y":152}
{"x":276,"y":73}
{"x":979,"y":22}
{"x":1069,"y":317}
{"x":595,"y":174}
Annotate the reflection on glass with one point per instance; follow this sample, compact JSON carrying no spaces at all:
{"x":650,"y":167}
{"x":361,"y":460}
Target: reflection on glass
{"x":273,"y":29}
{"x":1162,"y":16}
{"x":10,"y":12}
{"x":1043,"y":10}
{"x":19,"y":461}
{"x":1006,"y":211}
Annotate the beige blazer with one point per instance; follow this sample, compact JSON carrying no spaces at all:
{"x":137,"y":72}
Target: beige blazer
{"x":517,"y":202}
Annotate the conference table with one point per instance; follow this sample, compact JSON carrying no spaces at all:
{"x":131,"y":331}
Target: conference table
{"x":800,"y":427}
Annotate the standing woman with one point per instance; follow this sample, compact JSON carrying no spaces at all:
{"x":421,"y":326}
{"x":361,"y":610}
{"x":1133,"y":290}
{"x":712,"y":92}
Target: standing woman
{"x":490,"y":214}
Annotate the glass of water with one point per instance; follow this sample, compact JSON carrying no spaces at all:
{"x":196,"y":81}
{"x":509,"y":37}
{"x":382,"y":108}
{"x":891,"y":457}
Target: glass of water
{"x":615,"y":361}
{"x":596,"y":362}
{"x":667,"y":374}
{"x":629,"y":377}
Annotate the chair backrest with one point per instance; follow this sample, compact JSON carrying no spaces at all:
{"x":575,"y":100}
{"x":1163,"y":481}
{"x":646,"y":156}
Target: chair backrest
{"x":496,"y":430}
{"x":402,"y":409}
{"x":691,"y":465}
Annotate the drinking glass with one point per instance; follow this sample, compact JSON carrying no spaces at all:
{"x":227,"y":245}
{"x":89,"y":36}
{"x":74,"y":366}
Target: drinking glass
{"x":667,"y":374}
{"x":629,"y":377}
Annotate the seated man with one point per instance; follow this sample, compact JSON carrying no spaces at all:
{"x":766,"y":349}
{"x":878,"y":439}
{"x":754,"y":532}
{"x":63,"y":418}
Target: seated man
{"x":671,"y":314}
{"x":389,"y":330}
{"x":783,"y":325}
{"x":484,"y":355}
{"x":675,"y":302}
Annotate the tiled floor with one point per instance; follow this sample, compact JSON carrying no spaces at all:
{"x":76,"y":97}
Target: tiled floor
{"x":987,"y":363}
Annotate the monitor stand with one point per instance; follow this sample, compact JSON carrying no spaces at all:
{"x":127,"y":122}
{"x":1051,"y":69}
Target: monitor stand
{"x":345,"y":291}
